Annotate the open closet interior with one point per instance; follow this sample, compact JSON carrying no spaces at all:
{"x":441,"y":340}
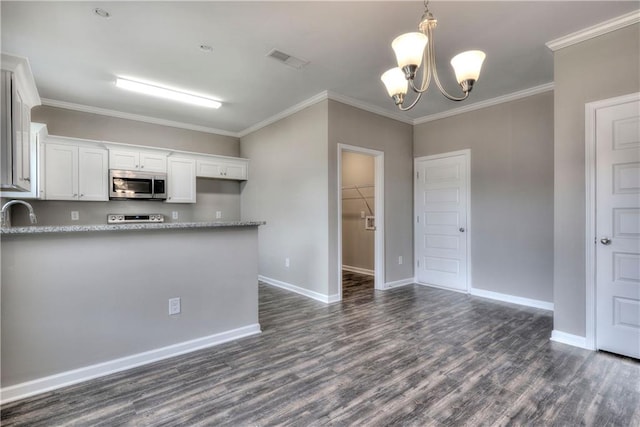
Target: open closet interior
{"x":358,"y":219}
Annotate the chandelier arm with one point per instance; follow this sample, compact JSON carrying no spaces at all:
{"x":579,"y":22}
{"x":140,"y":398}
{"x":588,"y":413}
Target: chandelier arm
{"x":413,"y":104}
{"x":435,"y":74}
{"x":426,"y":73}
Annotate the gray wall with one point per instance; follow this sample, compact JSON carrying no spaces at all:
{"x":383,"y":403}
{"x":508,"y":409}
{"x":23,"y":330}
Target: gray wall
{"x":596,"y":69}
{"x":212,"y":195}
{"x":352,"y":126}
{"x":288,"y":189}
{"x":71,"y":300}
{"x":511,"y":191}
{"x":358,"y":246}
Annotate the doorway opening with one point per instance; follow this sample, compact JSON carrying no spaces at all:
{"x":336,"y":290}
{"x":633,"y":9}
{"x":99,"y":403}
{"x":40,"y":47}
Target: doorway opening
{"x":360,"y":220}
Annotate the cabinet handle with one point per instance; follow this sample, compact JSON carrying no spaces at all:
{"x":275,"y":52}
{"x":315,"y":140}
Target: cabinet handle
{"x":75,"y":194}
{"x":141,"y":166}
{"x":81,"y":195}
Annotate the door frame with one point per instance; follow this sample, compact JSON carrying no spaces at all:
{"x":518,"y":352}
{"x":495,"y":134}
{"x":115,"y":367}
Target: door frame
{"x":379,"y":255}
{"x":467,"y":156}
{"x":591,"y":109}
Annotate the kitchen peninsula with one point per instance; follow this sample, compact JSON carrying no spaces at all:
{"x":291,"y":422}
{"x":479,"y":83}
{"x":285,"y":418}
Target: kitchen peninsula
{"x":83,"y":301}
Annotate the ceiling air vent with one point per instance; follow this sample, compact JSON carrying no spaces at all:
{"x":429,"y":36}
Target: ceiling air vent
{"x":287,"y":59}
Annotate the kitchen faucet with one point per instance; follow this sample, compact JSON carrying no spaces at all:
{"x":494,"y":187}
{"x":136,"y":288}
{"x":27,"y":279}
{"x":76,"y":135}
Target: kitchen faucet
{"x":5,"y":212}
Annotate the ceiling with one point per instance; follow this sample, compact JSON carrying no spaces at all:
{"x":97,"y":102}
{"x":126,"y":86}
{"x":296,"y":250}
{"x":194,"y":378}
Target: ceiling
{"x":76,"y":55}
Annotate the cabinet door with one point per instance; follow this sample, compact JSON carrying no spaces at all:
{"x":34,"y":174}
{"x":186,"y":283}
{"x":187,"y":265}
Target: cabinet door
{"x":235,"y":170}
{"x":222,"y":169}
{"x":61,"y":172}
{"x":153,"y":162}
{"x":181,"y":176}
{"x":26,"y":147}
{"x":209,"y":169}
{"x":93,"y":174}
{"x":123,"y":159}
{"x":22,"y":155}
{"x":36,"y":166}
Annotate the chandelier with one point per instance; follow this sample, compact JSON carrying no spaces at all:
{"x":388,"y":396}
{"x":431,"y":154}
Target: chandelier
{"x":414,"y":49}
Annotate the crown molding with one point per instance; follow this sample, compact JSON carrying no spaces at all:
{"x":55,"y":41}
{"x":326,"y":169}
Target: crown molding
{"x":368,"y":107}
{"x":26,"y":84}
{"x":319,"y":98}
{"x":595,"y":30}
{"x":487,"y":103}
{"x":285,"y":113}
{"x":301,"y":106}
{"x":135,"y":117}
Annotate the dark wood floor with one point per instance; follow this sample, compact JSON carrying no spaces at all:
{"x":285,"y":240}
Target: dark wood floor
{"x":408,"y":356}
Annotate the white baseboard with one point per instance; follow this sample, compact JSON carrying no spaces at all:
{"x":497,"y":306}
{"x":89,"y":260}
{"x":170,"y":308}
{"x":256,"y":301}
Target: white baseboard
{"x":512,"y":299}
{"x":569,"y":339}
{"x":429,"y":285}
{"x":41,"y":385}
{"x":358,"y":270}
{"x":398,"y":283}
{"x":327,"y":299}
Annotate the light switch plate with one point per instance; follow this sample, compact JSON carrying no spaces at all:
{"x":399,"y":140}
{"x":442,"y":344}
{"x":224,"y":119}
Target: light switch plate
{"x":218,"y":214}
{"x":75,"y":215}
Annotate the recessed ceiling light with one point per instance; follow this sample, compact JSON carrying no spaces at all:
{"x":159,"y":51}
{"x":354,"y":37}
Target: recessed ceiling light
{"x":206,"y":48}
{"x":101,"y":12}
{"x":155,"y":89}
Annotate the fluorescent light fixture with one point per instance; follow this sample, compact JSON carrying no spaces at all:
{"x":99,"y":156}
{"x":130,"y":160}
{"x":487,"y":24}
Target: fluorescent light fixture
{"x":165,"y":92}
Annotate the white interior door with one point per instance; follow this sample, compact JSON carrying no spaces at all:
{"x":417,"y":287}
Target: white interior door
{"x":618,"y":228}
{"x":441,"y":203}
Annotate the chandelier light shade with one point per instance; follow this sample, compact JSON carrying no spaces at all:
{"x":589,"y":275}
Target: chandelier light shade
{"x":416,"y":49}
{"x":396,"y":84}
{"x":409,"y":49}
{"x":467,"y":65}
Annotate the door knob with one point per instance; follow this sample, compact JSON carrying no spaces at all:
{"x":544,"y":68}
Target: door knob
{"x":462,"y":229}
{"x":605,"y":241}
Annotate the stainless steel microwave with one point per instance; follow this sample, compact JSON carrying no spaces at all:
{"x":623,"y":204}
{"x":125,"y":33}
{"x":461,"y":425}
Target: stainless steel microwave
{"x":127,"y":185}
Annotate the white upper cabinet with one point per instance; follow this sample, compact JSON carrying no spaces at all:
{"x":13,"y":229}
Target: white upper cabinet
{"x":93,"y":174}
{"x":153,"y":162}
{"x":74,"y":172}
{"x":36,"y":165}
{"x":181,"y":176}
{"x":61,"y":172}
{"x":18,"y":95}
{"x":222,"y":168}
{"x":147,"y":161}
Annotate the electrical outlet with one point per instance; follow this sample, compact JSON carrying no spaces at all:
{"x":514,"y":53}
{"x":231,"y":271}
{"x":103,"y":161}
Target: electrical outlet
{"x":174,"y":306}
{"x":75,"y":215}
{"x":286,"y":262}
{"x":218,"y":214}
{"x":400,"y":260}
{"x":174,"y":215}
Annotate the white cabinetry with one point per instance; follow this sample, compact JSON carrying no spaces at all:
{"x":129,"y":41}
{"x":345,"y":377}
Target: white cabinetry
{"x":181,"y":176}
{"x":75,"y":172}
{"x":222,"y":168}
{"x":147,"y":161}
{"x":18,"y":96}
{"x":36,"y":165}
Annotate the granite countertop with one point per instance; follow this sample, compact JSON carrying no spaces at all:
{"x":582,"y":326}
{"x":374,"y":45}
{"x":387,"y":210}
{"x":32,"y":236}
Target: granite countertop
{"x":125,"y":227}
